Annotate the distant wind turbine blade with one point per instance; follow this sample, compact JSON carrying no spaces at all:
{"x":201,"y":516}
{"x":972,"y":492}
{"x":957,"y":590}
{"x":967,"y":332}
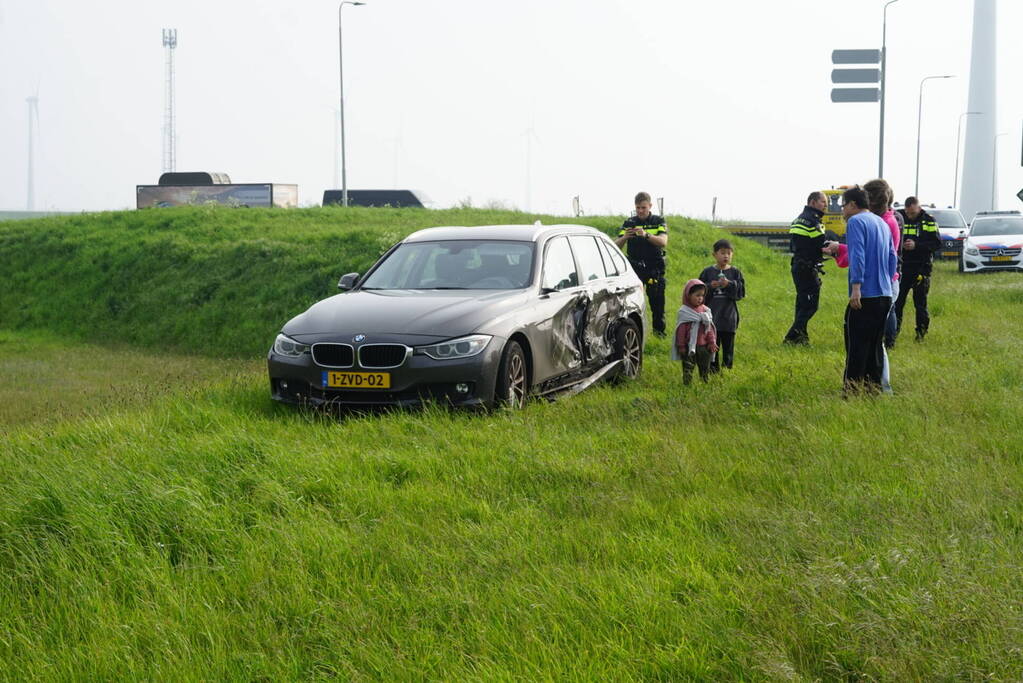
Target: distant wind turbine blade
{"x":35,"y":114}
{"x":35,"y":107}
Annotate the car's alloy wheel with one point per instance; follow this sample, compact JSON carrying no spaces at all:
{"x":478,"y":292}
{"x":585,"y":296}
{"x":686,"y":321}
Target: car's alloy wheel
{"x":629,"y":349}
{"x":512,"y":378}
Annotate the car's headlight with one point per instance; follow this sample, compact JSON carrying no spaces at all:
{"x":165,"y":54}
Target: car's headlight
{"x":463,"y":347}
{"x":286,"y":346}
{"x":972,"y":251}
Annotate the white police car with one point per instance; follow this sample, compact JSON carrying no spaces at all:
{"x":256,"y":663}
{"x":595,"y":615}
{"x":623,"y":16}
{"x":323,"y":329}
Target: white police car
{"x":994,"y":242}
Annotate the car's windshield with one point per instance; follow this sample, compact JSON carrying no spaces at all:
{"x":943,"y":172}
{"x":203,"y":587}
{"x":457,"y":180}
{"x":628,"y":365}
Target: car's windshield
{"x":948,"y":219}
{"x":455,"y":264}
{"x":834,"y":203}
{"x":983,"y":227}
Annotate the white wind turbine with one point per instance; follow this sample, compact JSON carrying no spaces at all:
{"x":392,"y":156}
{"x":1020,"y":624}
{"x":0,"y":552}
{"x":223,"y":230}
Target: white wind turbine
{"x":33,"y":125}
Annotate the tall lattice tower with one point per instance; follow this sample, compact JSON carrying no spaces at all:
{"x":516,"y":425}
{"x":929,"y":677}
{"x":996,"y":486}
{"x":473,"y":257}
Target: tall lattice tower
{"x":33,"y":121}
{"x":170,"y":140}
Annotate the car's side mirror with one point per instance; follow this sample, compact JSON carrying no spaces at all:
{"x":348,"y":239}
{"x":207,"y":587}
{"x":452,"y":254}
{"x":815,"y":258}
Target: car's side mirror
{"x":348,"y":281}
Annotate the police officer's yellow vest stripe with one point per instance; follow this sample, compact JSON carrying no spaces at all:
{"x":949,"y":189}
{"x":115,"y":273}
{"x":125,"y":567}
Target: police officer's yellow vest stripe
{"x":917,"y":229}
{"x":803,"y":231}
{"x":650,"y":230}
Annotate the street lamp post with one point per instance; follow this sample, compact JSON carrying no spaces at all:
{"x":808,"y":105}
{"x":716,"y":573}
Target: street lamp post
{"x":341,"y":87}
{"x":959,"y":135}
{"x":884,"y":77}
{"x":994,"y":173}
{"x":919,"y":119}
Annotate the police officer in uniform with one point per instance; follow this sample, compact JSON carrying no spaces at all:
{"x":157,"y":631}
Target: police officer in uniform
{"x":646,"y":235}
{"x":920,"y":239}
{"x":806,"y":236}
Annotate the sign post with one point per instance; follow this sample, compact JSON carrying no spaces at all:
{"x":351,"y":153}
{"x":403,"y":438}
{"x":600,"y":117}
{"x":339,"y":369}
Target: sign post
{"x":860,"y":76}
{"x":855,"y":56}
{"x":856,"y":76}
{"x":855,"y":95}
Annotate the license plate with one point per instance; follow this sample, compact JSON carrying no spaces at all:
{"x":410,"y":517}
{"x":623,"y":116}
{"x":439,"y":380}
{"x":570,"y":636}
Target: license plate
{"x":356,"y":380}
{"x":950,"y":253}
{"x":1001,"y":258}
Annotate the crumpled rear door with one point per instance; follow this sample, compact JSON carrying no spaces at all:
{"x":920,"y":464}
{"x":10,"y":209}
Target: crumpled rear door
{"x":605,"y":297}
{"x":559,"y":314}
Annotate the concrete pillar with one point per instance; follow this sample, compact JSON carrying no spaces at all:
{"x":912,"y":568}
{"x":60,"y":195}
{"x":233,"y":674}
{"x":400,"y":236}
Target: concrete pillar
{"x":978,"y":164}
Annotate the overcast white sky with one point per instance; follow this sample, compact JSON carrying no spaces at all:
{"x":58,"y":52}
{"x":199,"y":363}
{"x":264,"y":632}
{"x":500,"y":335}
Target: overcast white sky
{"x":688,"y":100}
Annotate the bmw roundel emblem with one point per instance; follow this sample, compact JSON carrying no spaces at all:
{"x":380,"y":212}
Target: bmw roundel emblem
{"x":359,"y":338}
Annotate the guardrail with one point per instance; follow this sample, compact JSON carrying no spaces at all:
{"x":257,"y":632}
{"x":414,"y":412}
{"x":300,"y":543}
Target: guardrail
{"x":772,"y":235}
{"x":22,"y":215}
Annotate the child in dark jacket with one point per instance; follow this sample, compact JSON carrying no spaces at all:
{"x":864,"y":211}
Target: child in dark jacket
{"x":695,"y":338}
{"x":725,"y":288}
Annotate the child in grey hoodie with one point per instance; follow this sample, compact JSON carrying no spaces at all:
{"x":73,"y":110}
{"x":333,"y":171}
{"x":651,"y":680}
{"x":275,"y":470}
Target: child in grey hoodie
{"x":695,"y":335}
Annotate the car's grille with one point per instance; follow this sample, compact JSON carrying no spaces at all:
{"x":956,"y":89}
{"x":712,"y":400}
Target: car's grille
{"x":334,"y":355}
{"x":953,"y":244}
{"x":382,"y":355}
{"x":444,"y":393}
{"x":988,"y":253}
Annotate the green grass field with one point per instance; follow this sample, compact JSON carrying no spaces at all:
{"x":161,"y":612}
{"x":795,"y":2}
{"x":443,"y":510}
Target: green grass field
{"x":162,"y":520}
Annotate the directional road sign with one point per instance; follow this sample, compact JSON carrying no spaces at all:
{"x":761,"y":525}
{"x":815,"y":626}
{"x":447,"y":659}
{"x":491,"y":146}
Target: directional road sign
{"x":856,"y":57}
{"x":856,"y":76}
{"x":856,"y":95}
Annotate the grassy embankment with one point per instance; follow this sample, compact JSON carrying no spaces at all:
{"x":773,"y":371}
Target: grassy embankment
{"x":757,"y":527}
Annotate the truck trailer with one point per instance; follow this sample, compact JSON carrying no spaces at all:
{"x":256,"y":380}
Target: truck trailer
{"x":186,"y":189}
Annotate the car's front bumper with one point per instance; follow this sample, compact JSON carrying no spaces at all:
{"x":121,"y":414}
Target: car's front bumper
{"x":974,"y":264}
{"x":419,"y":379}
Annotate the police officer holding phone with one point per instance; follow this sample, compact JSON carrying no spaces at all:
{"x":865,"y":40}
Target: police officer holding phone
{"x":645,"y":236}
{"x":920,"y":239}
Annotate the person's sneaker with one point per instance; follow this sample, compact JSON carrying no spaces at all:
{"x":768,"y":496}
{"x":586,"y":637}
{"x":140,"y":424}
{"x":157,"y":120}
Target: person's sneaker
{"x":661,"y":333}
{"x":920,"y":334}
{"x":796,"y":341}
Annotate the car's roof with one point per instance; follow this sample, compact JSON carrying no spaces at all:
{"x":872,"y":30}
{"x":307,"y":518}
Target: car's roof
{"x":523,"y":233}
{"x":997,"y":217}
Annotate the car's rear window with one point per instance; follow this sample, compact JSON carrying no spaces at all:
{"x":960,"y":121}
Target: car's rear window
{"x":455,"y":264}
{"x":587,"y":254}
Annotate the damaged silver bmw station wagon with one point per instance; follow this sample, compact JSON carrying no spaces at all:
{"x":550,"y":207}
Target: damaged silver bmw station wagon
{"x":469,"y":316}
